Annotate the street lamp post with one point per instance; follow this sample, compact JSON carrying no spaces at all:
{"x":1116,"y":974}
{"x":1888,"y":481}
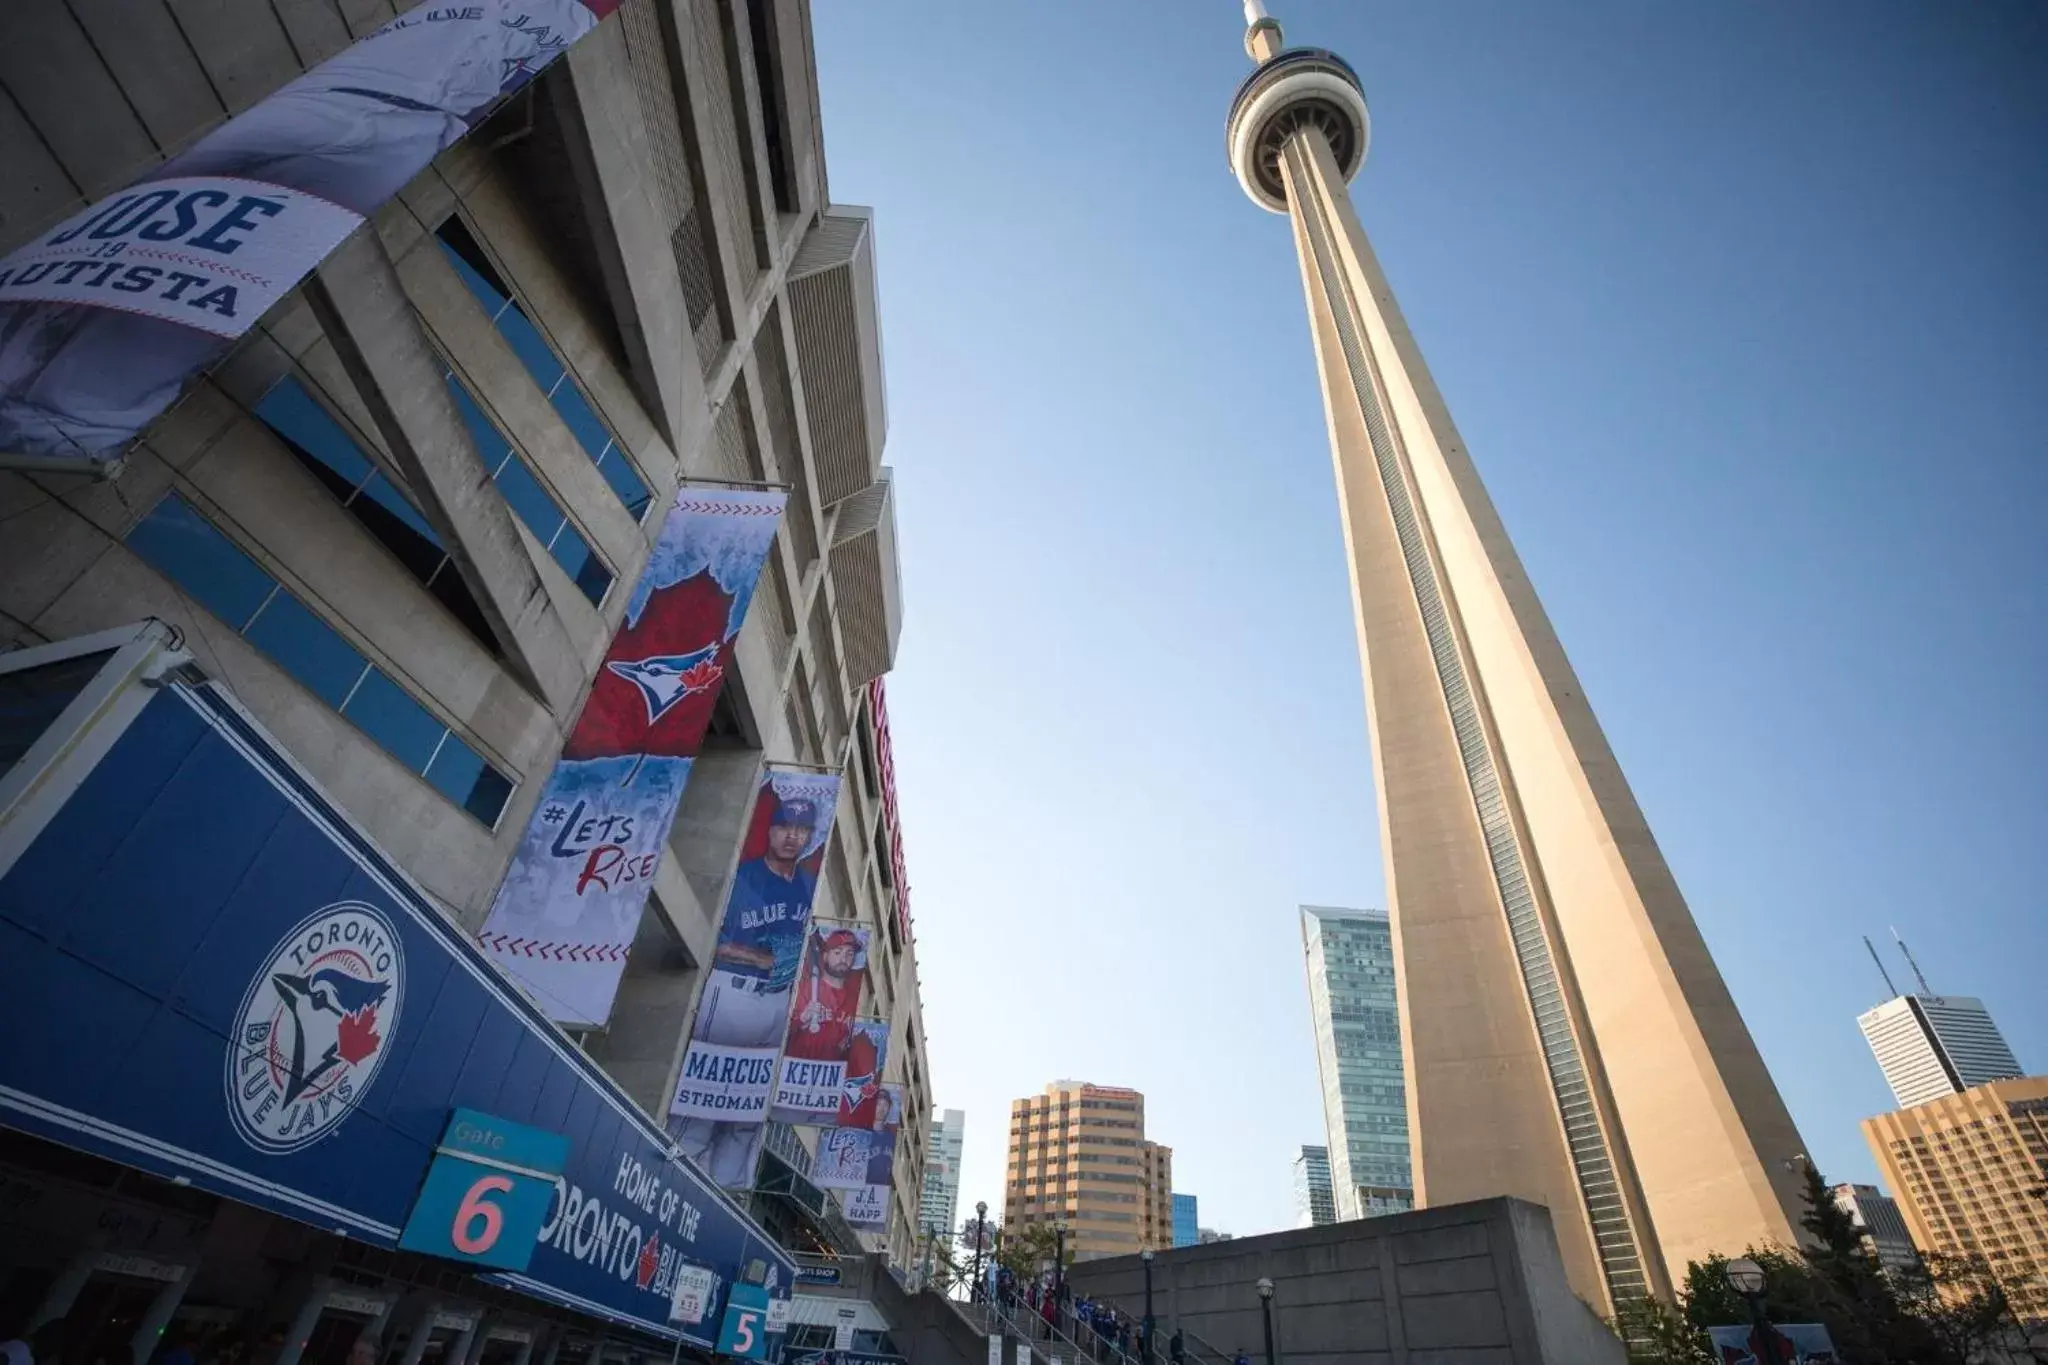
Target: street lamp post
{"x":980,"y":1236}
{"x":1146,"y":1257}
{"x":1059,"y":1259}
{"x":1746,"y":1278}
{"x":1266,"y":1308}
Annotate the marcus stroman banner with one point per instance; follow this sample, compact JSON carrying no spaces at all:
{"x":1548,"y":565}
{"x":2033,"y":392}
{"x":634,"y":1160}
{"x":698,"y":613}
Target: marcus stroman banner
{"x":823,"y":1011}
{"x":570,"y":904}
{"x":106,"y":317}
{"x":721,"y":1099}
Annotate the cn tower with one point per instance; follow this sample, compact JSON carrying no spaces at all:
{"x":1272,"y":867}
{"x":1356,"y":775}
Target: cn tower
{"x":1567,"y":1037}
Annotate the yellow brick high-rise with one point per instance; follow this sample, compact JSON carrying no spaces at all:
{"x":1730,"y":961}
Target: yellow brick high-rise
{"x":1566,"y":1037}
{"x":1078,"y":1155}
{"x":1970,"y":1172}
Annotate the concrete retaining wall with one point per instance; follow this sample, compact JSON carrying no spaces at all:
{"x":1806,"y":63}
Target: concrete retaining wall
{"x":1467,"y":1284}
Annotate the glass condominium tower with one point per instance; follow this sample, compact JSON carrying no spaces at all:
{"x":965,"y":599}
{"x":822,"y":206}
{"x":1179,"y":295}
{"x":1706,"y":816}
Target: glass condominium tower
{"x":1350,"y":955}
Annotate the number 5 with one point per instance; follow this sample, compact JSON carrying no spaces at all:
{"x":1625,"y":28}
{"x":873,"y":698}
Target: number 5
{"x":469,"y":1239}
{"x":743,"y":1334}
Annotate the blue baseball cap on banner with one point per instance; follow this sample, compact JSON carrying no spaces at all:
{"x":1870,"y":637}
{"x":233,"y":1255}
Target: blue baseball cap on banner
{"x":798,"y":811}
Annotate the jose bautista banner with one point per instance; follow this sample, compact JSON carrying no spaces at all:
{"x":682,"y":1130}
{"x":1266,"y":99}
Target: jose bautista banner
{"x":721,"y":1099}
{"x":107,"y":316}
{"x":823,"y":1012}
{"x":571,"y":901}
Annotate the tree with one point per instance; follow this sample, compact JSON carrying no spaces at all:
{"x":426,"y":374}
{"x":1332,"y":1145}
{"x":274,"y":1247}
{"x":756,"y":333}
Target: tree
{"x":1026,"y":1250}
{"x":1963,"y":1306}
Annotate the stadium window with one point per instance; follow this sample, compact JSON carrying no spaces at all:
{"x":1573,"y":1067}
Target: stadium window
{"x":528,"y":497}
{"x":337,"y":459}
{"x":544,"y":366}
{"x":190,"y":551}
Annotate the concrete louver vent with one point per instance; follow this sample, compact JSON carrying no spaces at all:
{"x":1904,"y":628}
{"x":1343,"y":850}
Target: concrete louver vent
{"x":839,"y":350}
{"x":866,"y":586}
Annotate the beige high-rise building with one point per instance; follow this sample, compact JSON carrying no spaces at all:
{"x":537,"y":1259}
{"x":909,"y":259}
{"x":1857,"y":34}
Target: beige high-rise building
{"x":1566,"y":1036}
{"x":1970,"y":1173}
{"x":1078,"y":1156}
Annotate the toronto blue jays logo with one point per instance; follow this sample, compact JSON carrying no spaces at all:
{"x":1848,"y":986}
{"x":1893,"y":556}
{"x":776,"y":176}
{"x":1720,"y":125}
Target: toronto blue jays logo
{"x":666,"y":679}
{"x":314,"y":1026}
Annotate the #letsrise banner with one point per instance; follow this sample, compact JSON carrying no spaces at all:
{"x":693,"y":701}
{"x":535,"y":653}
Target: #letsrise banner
{"x":571,"y":901}
{"x":106,"y":317}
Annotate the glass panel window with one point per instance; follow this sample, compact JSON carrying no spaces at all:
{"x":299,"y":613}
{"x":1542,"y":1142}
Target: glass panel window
{"x":543,"y":365}
{"x":389,"y":715}
{"x":181,"y":545}
{"x":310,"y":650}
{"x":191,"y":552}
{"x":327,"y":449}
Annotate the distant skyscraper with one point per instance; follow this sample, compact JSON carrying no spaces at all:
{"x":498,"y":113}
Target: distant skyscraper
{"x":1566,"y":1036}
{"x":1078,"y":1155}
{"x":1185,"y":1219}
{"x":1351,"y":1000}
{"x":1314,"y":1202}
{"x":1935,"y":1045}
{"x":1882,"y":1225}
{"x":939,"y":1205}
{"x":1968,"y":1172}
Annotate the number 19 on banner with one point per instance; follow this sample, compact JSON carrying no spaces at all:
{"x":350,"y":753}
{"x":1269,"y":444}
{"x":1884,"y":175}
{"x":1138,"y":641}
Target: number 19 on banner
{"x":487,"y":1193}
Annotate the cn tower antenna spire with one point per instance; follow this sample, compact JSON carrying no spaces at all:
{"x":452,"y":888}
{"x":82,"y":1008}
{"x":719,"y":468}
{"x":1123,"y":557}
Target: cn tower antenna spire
{"x":1261,"y":31}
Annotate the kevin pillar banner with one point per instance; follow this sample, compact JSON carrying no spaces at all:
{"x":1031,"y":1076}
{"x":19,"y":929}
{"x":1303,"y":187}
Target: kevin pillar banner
{"x":107,"y":316}
{"x":571,"y":901}
{"x":823,"y":1013}
{"x":720,"y":1106}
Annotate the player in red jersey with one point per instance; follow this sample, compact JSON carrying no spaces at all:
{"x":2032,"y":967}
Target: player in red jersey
{"x":827,"y":999}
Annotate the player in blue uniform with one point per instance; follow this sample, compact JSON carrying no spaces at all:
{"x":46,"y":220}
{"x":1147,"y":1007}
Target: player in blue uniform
{"x":761,"y":944}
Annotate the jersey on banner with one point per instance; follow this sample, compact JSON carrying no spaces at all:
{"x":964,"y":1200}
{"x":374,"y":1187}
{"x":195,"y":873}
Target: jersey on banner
{"x":107,"y":316}
{"x":860,"y":1163}
{"x":720,"y":1103}
{"x":570,"y":904}
{"x":822,"y":1015}
{"x":1798,"y":1343}
{"x":862,"y":1101}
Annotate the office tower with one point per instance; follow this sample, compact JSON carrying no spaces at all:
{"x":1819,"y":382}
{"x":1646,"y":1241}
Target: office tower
{"x":939,"y":1204}
{"x":1566,"y":1036}
{"x":401,"y":520}
{"x":1968,"y":1171}
{"x":1078,"y":1156}
{"x":1351,"y":997}
{"x":1185,"y":1220}
{"x":1883,"y":1227}
{"x":1314,"y":1202}
{"x":1935,"y":1045}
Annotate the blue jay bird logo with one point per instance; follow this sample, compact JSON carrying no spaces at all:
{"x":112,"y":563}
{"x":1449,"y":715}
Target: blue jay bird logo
{"x":313,"y":1027}
{"x":666,"y":679}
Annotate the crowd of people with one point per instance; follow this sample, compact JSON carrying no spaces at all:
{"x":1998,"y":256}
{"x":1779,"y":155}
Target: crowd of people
{"x":1047,"y":1302}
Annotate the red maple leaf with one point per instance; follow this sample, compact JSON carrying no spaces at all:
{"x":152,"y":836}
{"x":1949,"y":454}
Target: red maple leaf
{"x":357,"y":1035}
{"x":650,"y":1257}
{"x":701,"y":676}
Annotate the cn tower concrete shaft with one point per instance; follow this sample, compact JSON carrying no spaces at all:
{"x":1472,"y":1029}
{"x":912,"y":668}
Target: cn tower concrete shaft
{"x":1567,"y":1037}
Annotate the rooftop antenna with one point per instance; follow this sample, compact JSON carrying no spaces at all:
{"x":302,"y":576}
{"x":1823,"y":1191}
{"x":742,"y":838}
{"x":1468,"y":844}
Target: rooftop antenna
{"x":1918,"y":975}
{"x":1880,"y":968}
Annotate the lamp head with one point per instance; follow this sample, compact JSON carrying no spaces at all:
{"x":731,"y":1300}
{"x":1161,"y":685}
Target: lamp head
{"x":1265,"y":1287}
{"x":1745,"y":1277}
{"x":1146,"y":1255}
{"x":981,"y":1208}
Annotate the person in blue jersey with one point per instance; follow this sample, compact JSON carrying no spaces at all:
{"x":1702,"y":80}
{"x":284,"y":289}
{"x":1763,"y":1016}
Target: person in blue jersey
{"x":746,"y":1003}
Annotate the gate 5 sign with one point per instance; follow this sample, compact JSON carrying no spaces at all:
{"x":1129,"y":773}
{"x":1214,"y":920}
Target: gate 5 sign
{"x":745,"y":1331}
{"x":487,"y":1193}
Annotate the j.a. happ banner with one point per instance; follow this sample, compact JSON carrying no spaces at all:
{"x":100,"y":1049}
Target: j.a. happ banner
{"x":105,"y":318}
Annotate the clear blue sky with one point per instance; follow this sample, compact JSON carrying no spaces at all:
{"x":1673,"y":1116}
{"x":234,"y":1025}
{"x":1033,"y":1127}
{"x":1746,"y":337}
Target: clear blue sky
{"x":1743,"y":311}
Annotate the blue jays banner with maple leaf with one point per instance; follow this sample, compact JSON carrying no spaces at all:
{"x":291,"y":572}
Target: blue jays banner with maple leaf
{"x":571,"y":901}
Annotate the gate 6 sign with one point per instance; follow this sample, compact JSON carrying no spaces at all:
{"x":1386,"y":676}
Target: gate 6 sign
{"x":487,"y":1193}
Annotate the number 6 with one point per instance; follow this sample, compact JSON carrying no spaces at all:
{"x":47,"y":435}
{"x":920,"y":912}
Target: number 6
{"x":468,"y":1239}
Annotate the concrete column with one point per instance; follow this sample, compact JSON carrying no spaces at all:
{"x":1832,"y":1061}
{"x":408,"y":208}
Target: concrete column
{"x":365,"y":312}
{"x":420,"y":1320}
{"x":63,"y":1291}
{"x":525,"y":1352}
{"x":304,"y":1316}
{"x":469,"y":1339}
{"x":147,"y":1332}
